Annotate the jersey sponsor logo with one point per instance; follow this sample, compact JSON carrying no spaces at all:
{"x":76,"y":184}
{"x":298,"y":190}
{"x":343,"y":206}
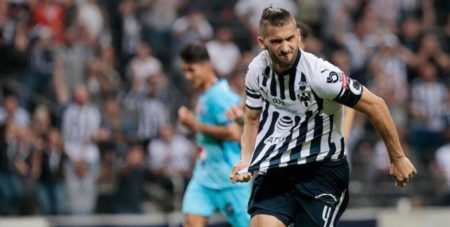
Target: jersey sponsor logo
{"x":281,"y":105}
{"x":274,"y":140}
{"x":278,"y":101}
{"x":282,"y":126}
{"x":333,"y":77}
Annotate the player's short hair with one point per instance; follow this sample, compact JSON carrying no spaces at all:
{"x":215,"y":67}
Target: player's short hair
{"x":194,"y":52}
{"x":276,"y":17}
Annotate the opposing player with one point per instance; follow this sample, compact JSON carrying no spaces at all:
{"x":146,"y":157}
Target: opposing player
{"x":292,"y":133}
{"x":210,"y":188}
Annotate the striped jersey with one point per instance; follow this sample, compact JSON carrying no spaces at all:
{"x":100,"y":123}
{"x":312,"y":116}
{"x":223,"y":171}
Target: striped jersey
{"x":300,"y":120}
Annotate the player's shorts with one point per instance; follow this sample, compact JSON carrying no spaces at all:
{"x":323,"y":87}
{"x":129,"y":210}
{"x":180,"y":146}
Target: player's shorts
{"x":231,"y":202}
{"x":308,"y":195}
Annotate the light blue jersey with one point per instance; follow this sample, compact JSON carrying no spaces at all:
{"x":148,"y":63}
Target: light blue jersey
{"x":217,"y":157}
{"x":210,"y":188}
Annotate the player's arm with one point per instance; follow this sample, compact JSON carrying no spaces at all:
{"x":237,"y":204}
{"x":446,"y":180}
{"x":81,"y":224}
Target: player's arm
{"x":222,"y":132}
{"x":376,"y":109}
{"x":251,"y":118}
{"x":228,"y":132}
{"x":335,"y":85}
{"x":251,"y":126}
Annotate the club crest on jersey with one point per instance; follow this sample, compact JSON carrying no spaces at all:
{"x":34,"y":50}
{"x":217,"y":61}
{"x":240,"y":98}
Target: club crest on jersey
{"x":304,"y":98}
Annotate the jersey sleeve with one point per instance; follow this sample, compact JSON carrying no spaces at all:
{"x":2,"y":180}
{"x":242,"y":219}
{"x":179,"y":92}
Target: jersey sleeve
{"x":330,"y":83}
{"x":221,"y":106}
{"x":254,"y":98}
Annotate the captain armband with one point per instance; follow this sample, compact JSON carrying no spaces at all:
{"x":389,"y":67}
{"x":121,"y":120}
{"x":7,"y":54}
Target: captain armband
{"x":351,"y":93}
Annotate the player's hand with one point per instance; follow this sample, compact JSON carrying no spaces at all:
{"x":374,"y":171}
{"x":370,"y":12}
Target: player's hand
{"x":187,"y":118}
{"x":236,"y":177}
{"x":234,"y":112}
{"x":402,"y":170}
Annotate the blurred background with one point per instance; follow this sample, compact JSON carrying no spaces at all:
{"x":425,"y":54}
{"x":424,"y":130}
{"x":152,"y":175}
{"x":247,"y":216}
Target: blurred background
{"x":89,"y":91}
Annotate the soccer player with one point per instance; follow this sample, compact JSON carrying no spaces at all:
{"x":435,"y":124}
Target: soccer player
{"x":210,"y":188}
{"x":236,"y":113}
{"x":292,"y":133}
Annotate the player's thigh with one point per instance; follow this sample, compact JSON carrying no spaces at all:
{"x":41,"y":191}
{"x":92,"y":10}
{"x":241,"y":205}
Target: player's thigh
{"x":233,"y":204}
{"x":197,"y":200}
{"x":272,"y":196}
{"x":316,"y":212}
{"x":265,"y":220}
{"x":193,"y":220}
{"x":322,"y":198}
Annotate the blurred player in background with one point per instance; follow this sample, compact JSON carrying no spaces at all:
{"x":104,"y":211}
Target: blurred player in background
{"x":210,"y":188}
{"x":292,"y":133}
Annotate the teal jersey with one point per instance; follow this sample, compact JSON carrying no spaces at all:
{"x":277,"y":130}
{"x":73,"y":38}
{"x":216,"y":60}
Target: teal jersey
{"x":217,"y":157}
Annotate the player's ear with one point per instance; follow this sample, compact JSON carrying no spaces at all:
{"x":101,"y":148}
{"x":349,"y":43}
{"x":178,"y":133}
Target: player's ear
{"x":261,"y":42}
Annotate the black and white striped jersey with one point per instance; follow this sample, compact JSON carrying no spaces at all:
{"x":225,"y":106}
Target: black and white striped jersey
{"x":301,"y":118}
{"x":79,"y":126}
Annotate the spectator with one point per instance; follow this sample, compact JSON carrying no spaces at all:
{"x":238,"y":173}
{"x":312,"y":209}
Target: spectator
{"x":50,"y":191}
{"x":130,"y":180}
{"x":170,"y":154}
{"x":157,"y":18}
{"x":15,"y":56}
{"x":49,"y":14}
{"x":24,"y":158}
{"x":192,"y":27}
{"x":130,"y":30}
{"x":10,"y":191}
{"x":11,"y":112}
{"x":428,"y":97}
{"x":442,"y":158}
{"x":41,"y":121}
{"x":143,"y":66}
{"x":74,"y":55}
{"x":81,"y":131}
{"x":90,"y":19}
{"x":170,"y":160}
{"x":223,"y":47}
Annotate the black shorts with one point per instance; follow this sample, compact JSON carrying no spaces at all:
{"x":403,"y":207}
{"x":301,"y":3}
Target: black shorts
{"x":313,"y":194}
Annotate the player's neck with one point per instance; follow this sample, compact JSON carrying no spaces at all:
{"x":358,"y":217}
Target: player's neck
{"x":280,"y":69}
{"x":210,"y":81}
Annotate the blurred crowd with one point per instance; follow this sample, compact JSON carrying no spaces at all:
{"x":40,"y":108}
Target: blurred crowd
{"x":90,"y":90}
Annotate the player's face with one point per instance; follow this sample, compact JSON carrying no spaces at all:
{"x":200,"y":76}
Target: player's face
{"x":195,"y":73}
{"x":282,"y":44}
